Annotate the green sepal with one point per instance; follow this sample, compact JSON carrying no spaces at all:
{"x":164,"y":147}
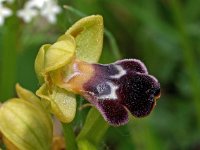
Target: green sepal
{"x":62,"y":103}
{"x":88,"y":34}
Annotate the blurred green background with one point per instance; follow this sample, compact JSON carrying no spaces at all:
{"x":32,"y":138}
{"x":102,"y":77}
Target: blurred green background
{"x":164,"y":34}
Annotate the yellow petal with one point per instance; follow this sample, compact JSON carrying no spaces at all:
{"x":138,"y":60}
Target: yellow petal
{"x":40,"y":62}
{"x":25,"y":125}
{"x":52,"y":57}
{"x":63,"y":103}
{"x":88,"y":33}
{"x":60,"y":53}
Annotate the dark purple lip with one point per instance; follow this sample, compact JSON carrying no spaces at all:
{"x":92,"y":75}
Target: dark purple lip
{"x":116,"y":89}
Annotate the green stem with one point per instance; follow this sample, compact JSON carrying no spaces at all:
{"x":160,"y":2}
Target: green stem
{"x":94,"y":128}
{"x":188,"y":54}
{"x":75,"y":11}
{"x":8,"y":66}
{"x":69,"y":137}
{"x":113,"y":44}
{"x":9,"y":45}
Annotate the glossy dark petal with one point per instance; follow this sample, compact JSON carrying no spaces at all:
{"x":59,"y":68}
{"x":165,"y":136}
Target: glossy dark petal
{"x":113,"y":112}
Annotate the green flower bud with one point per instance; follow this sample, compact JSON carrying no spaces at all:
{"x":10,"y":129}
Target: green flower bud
{"x":25,"y":123}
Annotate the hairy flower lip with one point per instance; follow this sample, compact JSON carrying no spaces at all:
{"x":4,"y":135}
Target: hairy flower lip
{"x":155,"y":94}
{"x":124,"y":85}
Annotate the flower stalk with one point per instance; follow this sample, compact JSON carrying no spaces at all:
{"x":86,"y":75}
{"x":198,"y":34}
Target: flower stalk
{"x":69,"y":135}
{"x":94,"y":128}
{"x":9,"y":52}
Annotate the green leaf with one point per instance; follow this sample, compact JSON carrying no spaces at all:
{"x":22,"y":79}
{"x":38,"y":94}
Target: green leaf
{"x":69,"y":135}
{"x":85,"y":145}
{"x":94,"y":128}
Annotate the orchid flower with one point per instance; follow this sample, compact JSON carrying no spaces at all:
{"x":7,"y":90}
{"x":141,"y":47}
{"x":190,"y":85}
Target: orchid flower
{"x":69,"y":67}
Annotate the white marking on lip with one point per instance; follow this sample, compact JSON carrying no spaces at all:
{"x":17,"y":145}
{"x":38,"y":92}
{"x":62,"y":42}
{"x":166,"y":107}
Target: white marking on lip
{"x":75,"y":73}
{"x":112,"y":94}
{"x":137,"y":61}
{"x":121,"y":72}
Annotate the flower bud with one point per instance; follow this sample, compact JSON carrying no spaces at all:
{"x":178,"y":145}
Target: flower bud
{"x":25,"y":123}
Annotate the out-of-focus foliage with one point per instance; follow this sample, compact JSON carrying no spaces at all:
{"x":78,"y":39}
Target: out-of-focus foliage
{"x":164,"y":34}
